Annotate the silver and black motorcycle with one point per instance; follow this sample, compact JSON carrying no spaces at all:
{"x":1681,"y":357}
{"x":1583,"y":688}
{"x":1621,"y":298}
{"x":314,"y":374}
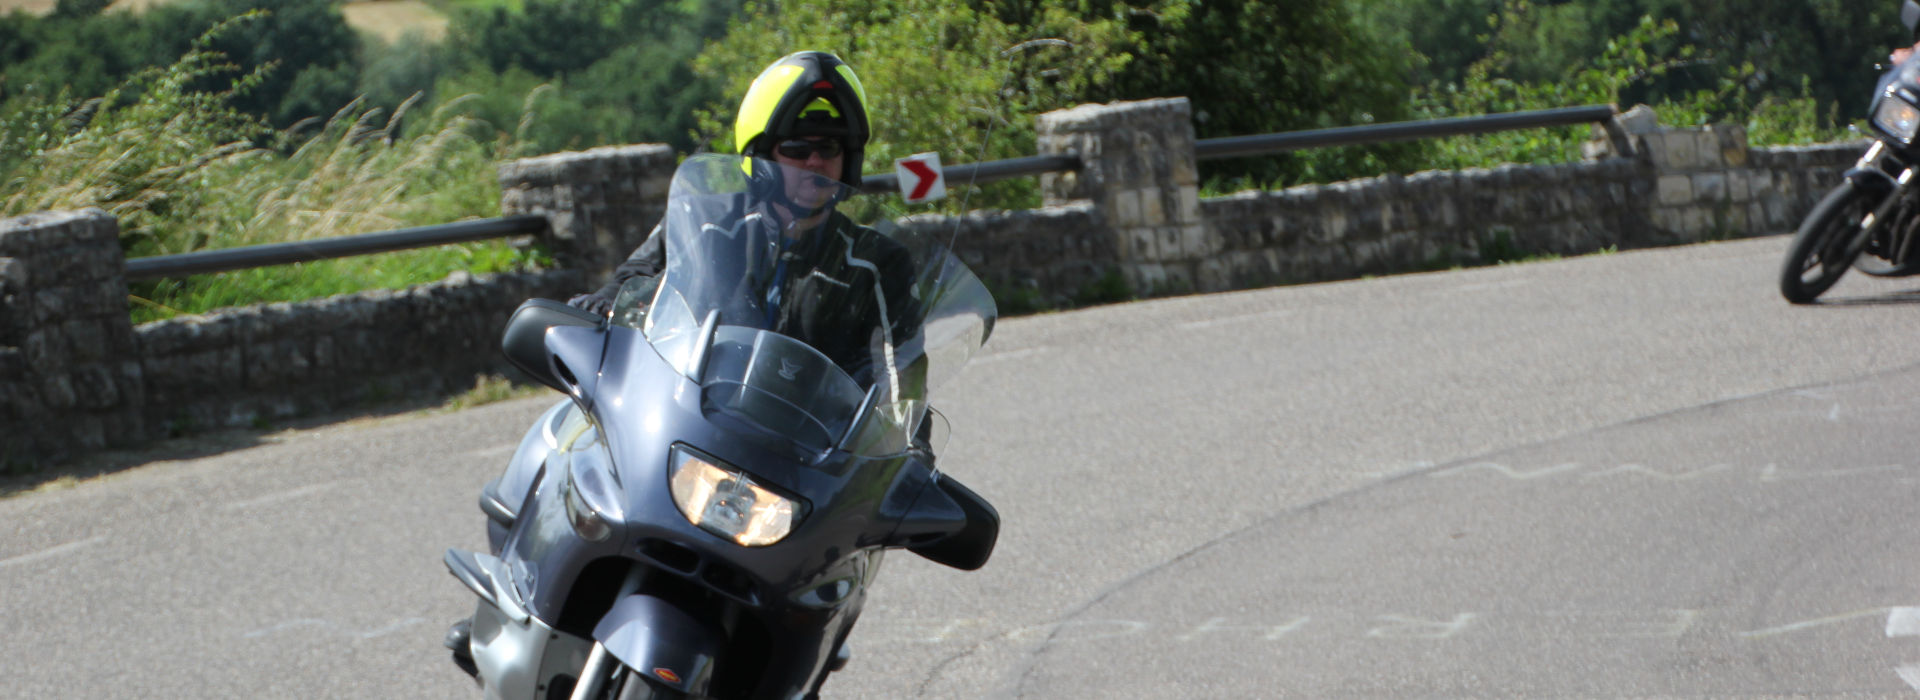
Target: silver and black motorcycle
{"x":742,"y":441}
{"x":1871,"y":220}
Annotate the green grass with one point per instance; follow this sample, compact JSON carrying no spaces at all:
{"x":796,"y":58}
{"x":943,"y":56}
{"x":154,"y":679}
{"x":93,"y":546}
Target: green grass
{"x":182,"y":171}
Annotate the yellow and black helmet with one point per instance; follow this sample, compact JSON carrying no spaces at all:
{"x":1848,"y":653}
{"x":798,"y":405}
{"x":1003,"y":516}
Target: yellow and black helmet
{"x":810,"y":93}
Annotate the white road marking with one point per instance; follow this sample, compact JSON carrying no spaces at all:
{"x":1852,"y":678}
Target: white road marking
{"x":282,"y":496}
{"x":1809,"y":624}
{"x":1655,"y":473}
{"x":51,"y":552}
{"x":1403,"y":627}
{"x":1903,"y":622}
{"x":1911,"y":674}
{"x":1508,"y":471}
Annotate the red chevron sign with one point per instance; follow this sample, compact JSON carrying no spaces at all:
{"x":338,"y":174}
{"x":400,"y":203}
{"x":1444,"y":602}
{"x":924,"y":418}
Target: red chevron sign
{"x":921,"y":178}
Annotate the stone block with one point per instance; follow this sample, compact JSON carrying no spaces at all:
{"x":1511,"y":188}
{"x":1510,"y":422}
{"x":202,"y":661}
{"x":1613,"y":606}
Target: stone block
{"x":1200,"y":241}
{"x":1213,"y":275}
{"x":46,"y":350}
{"x":1169,"y":243}
{"x":56,"y":391}
{"x":1675,"y":190}
{"x":1669,"y":220}
{"x":1697,"y":223}
{"x":87,"y":339}
{"x":1710,"y":187}
{"x":1153,"y":210}
{"x":1190,"y":205}
{"x":1143,"y":244}
{"x":94,"y":387}
{"x":1145,"y":278}
{"x":1683,"y":151}
{"x":1124,"y":208}
{"x":1740,"y":186}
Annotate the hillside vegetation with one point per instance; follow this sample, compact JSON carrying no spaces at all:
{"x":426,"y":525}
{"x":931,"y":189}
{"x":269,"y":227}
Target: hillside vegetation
{"x":216,"y":123}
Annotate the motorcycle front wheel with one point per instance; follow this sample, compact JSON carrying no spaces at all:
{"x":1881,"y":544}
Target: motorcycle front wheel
{"x":1819,"y":254}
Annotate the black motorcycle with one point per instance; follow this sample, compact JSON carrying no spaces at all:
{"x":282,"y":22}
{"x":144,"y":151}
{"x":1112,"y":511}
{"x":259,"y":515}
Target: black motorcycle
{"x":741,"y":442}
{"x":1871,"y":221}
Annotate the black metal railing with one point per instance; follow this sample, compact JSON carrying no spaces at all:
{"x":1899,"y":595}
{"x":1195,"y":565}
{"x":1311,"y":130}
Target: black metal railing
{"x":1264,"y":144}
{"x":324,"y":248}
{"x":970,"y":173}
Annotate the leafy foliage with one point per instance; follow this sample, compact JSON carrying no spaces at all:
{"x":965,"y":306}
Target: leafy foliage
{"x":939,"y":76}
{"x":1264,"y":66}
{"x":178,"y":166}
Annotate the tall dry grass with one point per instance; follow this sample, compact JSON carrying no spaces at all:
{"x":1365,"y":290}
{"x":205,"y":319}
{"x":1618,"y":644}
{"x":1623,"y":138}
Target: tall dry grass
{"x":183,"y":171}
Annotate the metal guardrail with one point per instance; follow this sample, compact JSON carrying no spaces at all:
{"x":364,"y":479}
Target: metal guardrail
{"x":971,"y":173}
{"x":324,"y":248}
{"x":1240,"y":146}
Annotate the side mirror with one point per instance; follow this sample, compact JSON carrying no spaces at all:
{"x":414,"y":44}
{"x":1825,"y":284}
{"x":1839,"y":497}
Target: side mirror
{"x":1910,"y":16}
{"x":525,"y":339}
{"x":950,"y":524}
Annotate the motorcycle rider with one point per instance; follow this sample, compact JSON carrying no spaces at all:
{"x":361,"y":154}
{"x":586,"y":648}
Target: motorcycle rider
{"x":807,"y":112}
{"x":838,"y":286}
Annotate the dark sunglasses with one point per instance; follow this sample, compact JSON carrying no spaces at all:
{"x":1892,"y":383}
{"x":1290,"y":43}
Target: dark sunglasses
{"x":799,"y":149}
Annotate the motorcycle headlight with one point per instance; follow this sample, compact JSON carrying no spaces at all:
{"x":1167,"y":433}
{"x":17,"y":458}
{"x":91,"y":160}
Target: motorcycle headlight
{"x":726,"y":502}
{"x":1897,"y":118}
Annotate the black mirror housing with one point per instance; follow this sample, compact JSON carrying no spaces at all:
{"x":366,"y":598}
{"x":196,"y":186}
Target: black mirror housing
{"x":969,"y":548}
{"x":525,"y":339}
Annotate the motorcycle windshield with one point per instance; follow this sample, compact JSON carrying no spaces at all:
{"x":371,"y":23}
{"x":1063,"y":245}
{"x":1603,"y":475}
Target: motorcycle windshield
{"x":796,"y":319}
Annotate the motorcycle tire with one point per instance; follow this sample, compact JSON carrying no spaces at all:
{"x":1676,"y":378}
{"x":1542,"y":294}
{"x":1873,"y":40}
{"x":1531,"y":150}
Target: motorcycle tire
{"x":1818,"y":256}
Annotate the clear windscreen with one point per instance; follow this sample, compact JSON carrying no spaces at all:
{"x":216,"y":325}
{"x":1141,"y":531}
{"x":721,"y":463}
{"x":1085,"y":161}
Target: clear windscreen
{"x":797,"y":319}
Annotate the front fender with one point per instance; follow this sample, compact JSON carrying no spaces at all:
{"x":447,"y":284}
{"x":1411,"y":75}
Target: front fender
{"x":654,"y":638}
{"x":1874,"y":181}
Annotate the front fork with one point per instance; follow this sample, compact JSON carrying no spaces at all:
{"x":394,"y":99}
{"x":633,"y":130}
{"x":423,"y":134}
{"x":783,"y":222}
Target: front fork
{"x":1868,"y":175}
{"x":601,"y":665}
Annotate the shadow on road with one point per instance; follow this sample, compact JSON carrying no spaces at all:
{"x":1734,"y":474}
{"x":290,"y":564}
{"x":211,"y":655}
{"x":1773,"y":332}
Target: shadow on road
{"x":1910,"y":296}
{"x":196,"y":445}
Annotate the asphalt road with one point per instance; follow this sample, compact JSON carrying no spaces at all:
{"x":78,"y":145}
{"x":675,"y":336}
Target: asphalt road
{"x":1629,"y":475}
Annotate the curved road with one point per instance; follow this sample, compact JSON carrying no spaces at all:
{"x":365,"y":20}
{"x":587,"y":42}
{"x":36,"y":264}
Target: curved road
{"x":1628,"y":475}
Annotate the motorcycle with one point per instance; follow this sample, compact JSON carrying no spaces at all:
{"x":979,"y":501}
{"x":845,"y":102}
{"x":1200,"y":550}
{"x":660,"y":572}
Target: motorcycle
{"x":1871,"y":220}
{"x":704,"y":513}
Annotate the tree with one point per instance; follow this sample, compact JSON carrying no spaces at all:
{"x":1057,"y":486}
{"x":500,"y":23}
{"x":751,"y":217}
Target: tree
{"x":1263,"y":66}
{"x":938,"y":76}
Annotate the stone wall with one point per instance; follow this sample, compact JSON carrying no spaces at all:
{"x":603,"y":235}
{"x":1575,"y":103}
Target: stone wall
{"x":75,"y":376}
{"x":600,"y":203}
{"x":1675,"y":186}
{"x":70,"y":378}
{"x":243,"y":366}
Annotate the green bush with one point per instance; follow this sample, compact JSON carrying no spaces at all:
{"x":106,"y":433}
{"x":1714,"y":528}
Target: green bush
{"x":180,"y":168}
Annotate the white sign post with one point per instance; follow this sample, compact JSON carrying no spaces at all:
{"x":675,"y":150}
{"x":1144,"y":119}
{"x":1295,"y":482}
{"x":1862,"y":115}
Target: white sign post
{"x":921,"y":178}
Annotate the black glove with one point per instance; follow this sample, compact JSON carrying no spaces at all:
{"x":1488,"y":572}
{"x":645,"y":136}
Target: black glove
{"x":593,"y":302}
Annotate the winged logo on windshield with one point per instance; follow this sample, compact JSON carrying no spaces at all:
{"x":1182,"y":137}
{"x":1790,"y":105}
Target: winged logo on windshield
{"x":789,"y":370}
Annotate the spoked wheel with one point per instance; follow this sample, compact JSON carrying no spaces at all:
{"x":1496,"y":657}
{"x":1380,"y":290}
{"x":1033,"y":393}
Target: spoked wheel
{"x":1819,"y":254}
